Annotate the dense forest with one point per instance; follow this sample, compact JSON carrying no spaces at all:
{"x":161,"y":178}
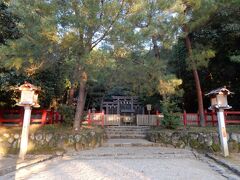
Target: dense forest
{"x":167,"y":52}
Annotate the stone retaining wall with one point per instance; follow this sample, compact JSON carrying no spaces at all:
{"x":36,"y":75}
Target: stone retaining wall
{"x":197,"y":140}
{"x":47,"y":142}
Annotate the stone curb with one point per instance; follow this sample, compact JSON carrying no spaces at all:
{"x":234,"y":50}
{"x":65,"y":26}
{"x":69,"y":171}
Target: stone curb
{"x":22,"y":165}
{"x":223,"y":162}
{"x":132,"y":145}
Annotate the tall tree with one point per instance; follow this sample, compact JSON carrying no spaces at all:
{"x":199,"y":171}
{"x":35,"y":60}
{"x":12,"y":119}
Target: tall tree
{"x":192,"y":15}
{"x":89,"y":23}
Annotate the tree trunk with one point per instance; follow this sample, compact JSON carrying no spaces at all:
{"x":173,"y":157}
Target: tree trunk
{"x":155,"y":47}
{"x":196,"y":77}
{"x":80,"y":101}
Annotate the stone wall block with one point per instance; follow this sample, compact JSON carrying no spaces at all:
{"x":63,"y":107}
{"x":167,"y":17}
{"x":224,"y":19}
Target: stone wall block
{"x":228,"y":136}
{"x":39,"y":137}
{"x":175,"y":138}
{"x":193,"y":136}
{"x":10,"y":140}
{"x":16,"y":136}
{"x":49,"y":137}
{"x":42,"y":142}
{"x":234,"y":137}
{"x":201,"y":138}
{"x":209,"y":140}
{"x":32,"y":136}
{"x":71,"y":139}
{"x":77,"y":138}
{"x":92,"y":133}
{"x":233,"y":146}
{"x":216,"y":139}
{"x":16,"y":144}
{"x":6,"y":135}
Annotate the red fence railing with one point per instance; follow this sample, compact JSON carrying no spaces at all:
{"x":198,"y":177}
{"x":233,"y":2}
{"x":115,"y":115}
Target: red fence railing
{"x":210,"y":118}
{"x":96,"y":118}
{"x":15,"y":117}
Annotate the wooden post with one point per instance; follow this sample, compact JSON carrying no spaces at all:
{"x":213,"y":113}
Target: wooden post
{"x":213,"y":115}
{"x":1,"y":116}
{"x":157,"y":113}
{"x":57,"y":117}
{"x":102,"y":118}
{"x":21,"y":117}
{"x":51,"y":116}
{"x":205,"y":117}
{"x":25,"y":131}
{"x":225,"y":116}
{"x":44,"y":117}
{"x":222,"y":132}
{"x":198,"y":118}
{"x":184,"y":118}
{"x":89,"y":118}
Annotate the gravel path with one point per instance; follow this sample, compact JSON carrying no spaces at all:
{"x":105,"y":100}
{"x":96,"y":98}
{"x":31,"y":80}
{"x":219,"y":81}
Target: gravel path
{"x":133,"y":163}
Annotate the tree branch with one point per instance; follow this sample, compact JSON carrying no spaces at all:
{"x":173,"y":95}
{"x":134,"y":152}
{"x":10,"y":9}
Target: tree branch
{"x":95,"y":43}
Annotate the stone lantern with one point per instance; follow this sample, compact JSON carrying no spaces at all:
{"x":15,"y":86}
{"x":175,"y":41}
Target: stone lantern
{"x":29,"y":95}
{"x":218,"y":98}
{"x":219,"y":103}
{"x":29,"y":99}
{"x":149,"y":108}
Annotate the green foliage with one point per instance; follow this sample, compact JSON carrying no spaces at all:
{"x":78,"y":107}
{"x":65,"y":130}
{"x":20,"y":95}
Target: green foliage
{"x":68,"y":114}
{"x":235,"y":58}
{"x":9,"y":79}
{"x":8,"y":24}
{"x":34,"y":50}
{"x":200,"y":57}
{"x":171,"y":119}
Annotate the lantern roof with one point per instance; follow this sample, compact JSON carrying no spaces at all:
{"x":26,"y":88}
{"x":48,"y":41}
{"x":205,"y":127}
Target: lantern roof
{"x":221,"y":90}
{"x":28,"y":86}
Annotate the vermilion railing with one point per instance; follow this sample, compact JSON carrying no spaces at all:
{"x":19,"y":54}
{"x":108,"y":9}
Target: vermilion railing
{"x":96,"y":118}
{"x":15,"y":117}
{"x":210,"y":118}
{"x":43,"y":116}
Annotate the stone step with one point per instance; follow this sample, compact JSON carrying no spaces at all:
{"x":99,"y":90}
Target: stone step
{"x":132,"y":127}
{"x":128,"y":128}
{"x":117,"y":136}
{"x":129,"y":143}
{"x":114,"y":132}
{"x":126,"y":132}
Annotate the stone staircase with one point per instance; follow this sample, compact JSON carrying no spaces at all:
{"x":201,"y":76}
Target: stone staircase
{"x":126,"y":132}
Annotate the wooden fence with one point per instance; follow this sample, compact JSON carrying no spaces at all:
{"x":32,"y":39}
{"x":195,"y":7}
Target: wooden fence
{"x":149,"y":120}
{"x":15,"y":117}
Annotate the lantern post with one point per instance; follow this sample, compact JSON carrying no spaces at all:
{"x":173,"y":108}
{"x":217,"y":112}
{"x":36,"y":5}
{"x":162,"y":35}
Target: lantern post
{"x":219,"y":102}
{"x":149,"y":108}
{"x":29,"y":99}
